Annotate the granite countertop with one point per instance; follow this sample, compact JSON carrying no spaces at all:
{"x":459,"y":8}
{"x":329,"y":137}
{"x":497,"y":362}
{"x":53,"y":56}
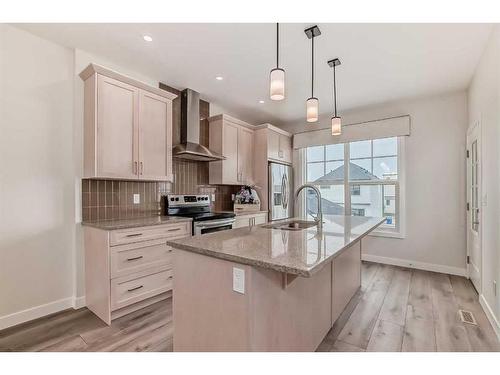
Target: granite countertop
{"x":300,"y":252}
{"x":134,"y":223}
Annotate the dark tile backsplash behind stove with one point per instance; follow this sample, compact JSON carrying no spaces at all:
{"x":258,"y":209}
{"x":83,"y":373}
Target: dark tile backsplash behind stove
{"x":113,"y":199}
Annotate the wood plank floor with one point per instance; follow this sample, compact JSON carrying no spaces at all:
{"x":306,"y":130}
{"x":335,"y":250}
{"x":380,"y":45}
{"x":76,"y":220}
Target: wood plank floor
{"x":396,"y":309}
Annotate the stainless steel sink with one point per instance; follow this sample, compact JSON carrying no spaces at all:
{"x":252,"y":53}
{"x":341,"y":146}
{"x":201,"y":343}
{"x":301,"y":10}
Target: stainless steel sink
{"x":291,"y":225}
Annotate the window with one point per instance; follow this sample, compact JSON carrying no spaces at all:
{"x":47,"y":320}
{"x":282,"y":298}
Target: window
{"x":372,"y":182}
{"x":355,"y":190}
{"x":358,"y":212}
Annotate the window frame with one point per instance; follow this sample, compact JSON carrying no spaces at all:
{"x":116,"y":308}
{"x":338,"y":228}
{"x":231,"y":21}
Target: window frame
{"x":399,"y":231}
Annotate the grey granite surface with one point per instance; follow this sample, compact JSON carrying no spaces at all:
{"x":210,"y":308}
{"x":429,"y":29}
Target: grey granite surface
{"x":301,"y":252}
{"x":134,"y":223}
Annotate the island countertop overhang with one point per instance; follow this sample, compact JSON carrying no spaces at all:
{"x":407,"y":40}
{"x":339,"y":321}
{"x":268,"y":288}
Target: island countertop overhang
{"x":302,"y":253}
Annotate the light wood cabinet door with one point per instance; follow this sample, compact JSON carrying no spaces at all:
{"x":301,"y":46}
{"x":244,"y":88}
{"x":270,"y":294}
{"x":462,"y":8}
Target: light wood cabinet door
{"x":285,"y":148}
{"x":245,"y":156}
{"x":273,"y":145}
{"x":155,"y":141}
{"x":230,"y":170}
{"x":117,"y":129}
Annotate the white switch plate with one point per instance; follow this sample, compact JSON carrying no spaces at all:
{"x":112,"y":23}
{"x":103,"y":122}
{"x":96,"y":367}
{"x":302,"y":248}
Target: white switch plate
{"x":213,"y":197}
{"x":239,"y":280}
{"x":137,"y":198}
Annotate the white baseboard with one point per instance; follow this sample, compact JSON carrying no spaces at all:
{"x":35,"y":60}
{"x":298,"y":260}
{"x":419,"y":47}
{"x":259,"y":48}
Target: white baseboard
{"x":36,"y":312}
{"x":417,"y":265}
{"x":78,"y":302}
{"x":490,"y":315}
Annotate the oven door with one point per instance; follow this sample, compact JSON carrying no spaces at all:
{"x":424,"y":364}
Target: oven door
{"x":210,"y":226}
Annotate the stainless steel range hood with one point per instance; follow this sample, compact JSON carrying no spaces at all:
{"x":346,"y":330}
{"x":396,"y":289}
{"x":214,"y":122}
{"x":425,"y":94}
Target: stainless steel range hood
{"x":190,"y":147}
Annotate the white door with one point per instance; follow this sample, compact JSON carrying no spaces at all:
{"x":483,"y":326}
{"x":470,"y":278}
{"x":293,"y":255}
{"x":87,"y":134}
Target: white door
{"x":474,"y":200}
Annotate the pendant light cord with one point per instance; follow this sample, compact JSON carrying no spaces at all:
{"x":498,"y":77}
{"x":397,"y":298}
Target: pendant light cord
{"x":277,"y":45}
{"x":334,"y":91}
{"x":312,"y":68}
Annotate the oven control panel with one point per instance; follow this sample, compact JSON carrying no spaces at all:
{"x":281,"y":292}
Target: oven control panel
{"x":180,"y":200}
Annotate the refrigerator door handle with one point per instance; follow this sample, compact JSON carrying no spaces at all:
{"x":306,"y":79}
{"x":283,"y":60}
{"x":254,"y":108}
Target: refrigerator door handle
{"x":285,"y":192}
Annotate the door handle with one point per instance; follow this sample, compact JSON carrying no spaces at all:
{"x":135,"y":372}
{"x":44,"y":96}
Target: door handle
{"x":142,"y":168}
{"x":283,"y":191}
{"x":135,"y":167}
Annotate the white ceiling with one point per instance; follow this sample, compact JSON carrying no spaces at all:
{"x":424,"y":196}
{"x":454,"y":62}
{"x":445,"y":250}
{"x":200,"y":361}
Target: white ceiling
{"x":380,"y":62}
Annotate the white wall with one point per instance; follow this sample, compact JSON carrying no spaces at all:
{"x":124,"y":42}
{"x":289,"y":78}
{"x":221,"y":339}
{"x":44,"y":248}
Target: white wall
{"x":37,"y":200}
{"x":484,"y":106}
{"x":435,"y":182}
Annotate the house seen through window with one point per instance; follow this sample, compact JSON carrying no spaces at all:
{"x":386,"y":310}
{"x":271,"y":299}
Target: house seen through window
{"x":372,"y":179}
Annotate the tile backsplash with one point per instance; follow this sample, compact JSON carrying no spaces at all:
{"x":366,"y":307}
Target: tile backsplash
{"x":110,"y":199}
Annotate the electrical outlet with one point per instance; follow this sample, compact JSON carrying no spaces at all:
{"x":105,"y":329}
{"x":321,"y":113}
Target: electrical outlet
{"x":233,"y":197}
{"x":239,"y":280}
{"x":213,"y":197}
{"x":137,"y":198}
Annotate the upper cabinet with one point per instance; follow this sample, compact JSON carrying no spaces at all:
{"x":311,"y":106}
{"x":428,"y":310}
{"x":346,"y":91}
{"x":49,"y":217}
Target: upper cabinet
{"x":234,"y":139}
{"x":127,"y":127}
{"x":279,"y":144}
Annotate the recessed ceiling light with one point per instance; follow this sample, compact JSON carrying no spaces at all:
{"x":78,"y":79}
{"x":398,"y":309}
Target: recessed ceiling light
{"x":219,"y":78}
{"x":147,"y":38}
{"x":261,"y":102}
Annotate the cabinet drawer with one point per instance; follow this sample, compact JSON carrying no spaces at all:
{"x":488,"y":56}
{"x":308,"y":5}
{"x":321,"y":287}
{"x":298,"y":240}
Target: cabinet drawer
{"x":127,"y":259}
{"x":125,"y":291}
{"x":120,"y":237}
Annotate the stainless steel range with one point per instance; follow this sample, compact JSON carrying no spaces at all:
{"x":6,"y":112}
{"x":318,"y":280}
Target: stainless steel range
{"x":197,"y":207}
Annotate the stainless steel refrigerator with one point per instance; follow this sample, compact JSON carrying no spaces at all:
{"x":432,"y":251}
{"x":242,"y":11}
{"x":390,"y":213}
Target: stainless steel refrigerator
{"x":280,"y":191}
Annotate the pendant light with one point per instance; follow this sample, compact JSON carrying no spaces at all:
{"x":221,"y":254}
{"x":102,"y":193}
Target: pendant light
{"x":336,"y":122}
{"x":277,"y":76}
{"x":312,"y":104}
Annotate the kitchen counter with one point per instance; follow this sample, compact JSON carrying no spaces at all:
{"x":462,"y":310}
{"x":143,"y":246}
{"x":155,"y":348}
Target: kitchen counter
{"x":135,"y":222}
{"x":297,"y":252}
{"x":261,"y":288}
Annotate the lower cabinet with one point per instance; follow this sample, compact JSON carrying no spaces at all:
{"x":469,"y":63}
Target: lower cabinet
{"x":248,"y":220}
{"x":126,"y":270}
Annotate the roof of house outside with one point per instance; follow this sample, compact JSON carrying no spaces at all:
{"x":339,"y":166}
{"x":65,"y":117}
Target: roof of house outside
{"x":356,"y":173}
{"x":328,"y":207}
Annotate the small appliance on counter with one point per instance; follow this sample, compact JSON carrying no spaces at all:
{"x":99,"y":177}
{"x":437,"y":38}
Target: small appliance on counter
{"x":247,"y":200}
{"x":197,"y":207}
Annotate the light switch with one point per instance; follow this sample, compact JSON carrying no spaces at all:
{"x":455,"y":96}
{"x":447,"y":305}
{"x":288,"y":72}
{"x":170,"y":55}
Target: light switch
{"x":213,"y":197}
{"x":239,"y":280}
{"x":137,"y":198}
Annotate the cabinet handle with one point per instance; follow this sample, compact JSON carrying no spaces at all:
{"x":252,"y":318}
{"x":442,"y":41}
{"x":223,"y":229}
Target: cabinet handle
{"x":170,"y":278}
{"x":280,"y":153}
{"x":134,"y":235}
{"x":169,"y":250}
{"x":142,"y":168}
{"x":173,"y":229}
{"x":135,"y":168}
{"x":135,"y":258}
{"x":136,"y":288}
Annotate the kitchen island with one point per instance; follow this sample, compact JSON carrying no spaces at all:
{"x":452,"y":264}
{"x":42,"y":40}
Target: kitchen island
{"x":266,"y":288}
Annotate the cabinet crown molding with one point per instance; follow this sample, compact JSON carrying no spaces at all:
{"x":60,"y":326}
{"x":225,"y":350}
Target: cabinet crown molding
{"x":95,"y":68}
{"x":234,"y":120}
{"x":274,"y":128}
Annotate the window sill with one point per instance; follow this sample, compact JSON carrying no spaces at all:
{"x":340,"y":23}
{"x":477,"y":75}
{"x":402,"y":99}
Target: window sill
{"x":387,"y":234}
